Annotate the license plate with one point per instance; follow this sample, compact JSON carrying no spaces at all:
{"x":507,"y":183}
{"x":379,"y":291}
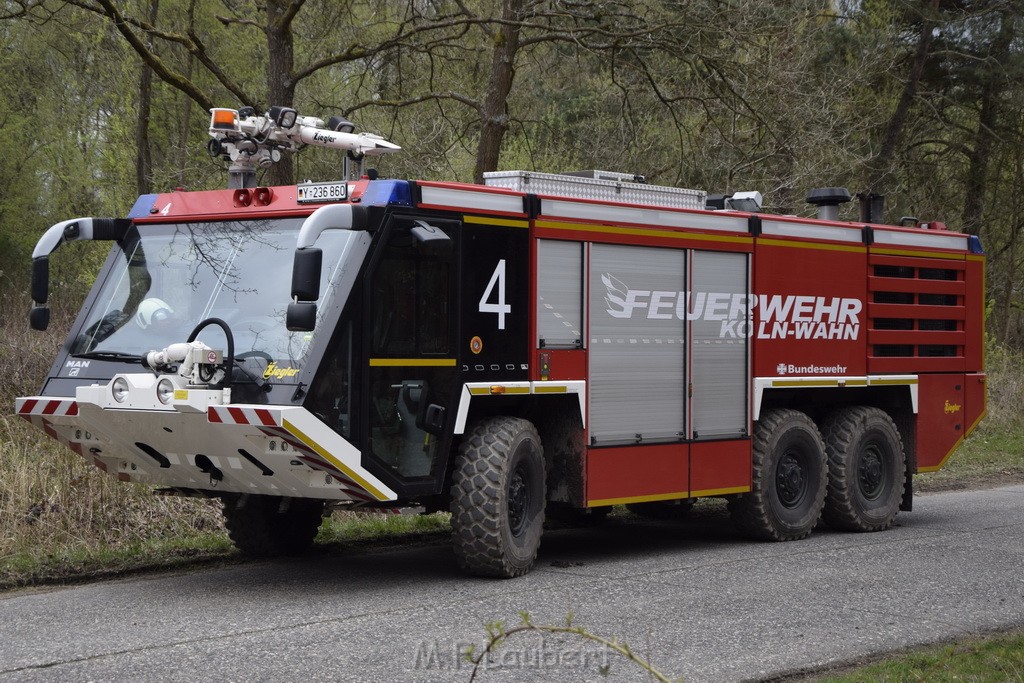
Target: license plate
{"x":308,"y":193}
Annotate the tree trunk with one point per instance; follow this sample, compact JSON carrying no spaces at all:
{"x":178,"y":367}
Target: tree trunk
{"x":280,"y":74}
{"x":182,"y":156}
{"x":881,"y":162}
{"x":143,"y":149}
{"x":494,"y":111}
{"x":977,"y":174}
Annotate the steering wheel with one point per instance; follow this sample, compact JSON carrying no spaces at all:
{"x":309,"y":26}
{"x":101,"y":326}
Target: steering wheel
{"x":255,"y":354}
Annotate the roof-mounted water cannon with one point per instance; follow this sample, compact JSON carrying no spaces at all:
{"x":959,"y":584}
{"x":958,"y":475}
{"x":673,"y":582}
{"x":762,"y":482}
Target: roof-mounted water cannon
{"x":251,"y":142}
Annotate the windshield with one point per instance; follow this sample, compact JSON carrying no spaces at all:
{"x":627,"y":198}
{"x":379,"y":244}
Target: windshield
{"x":175,"y":276}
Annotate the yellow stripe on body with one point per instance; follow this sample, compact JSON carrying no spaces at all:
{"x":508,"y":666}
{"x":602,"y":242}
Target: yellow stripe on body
{"x":810,"y":245}
{"x":637,"y":499}
{"x":667,"y":496}
{"x":504,"y":222}
{"x":323,"y":453}
{"x":541,"y":389}
{"x":720,"y":492}
{"x":640,"y":232}
{"x":412,"y":362}
{"x":919,"y":254}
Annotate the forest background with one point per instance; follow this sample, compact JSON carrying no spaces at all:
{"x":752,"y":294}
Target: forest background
{"x":100,"y":101}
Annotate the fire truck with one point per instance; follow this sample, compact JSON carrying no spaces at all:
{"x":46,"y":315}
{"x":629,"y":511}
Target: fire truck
{"x":540,"y":344}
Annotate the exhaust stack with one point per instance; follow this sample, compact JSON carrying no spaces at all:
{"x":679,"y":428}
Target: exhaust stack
{"x":828,"y":199}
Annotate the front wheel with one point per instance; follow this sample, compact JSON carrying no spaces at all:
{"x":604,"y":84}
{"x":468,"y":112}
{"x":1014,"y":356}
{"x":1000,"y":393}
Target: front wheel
{"x":264,"y":526}
{"x":497,"y":498}
{"x":788,"y":479}
{"x":866,"y":469}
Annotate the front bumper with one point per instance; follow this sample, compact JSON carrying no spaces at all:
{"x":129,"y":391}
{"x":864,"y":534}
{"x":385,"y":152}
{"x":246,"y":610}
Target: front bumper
{"x":202,"y":442}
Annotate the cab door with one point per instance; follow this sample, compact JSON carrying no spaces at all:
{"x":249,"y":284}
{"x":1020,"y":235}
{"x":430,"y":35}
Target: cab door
{"x":409,"y":322}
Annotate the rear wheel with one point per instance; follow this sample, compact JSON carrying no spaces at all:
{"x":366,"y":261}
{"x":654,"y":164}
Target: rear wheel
{"x":788,"y":479}
{"x":866,"y":469}
{"x":264,"y":526}
{"x":497,"y":498}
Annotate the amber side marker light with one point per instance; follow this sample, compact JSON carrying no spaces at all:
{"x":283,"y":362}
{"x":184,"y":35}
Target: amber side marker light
{"x":224,"y":119}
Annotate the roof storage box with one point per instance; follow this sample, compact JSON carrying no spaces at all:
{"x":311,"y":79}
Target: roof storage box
{"x":601,"y":185}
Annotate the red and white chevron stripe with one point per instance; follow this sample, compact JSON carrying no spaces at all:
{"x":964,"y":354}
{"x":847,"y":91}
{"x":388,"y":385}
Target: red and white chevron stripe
{"x":259,"y":417}
{"x":31,"y":407}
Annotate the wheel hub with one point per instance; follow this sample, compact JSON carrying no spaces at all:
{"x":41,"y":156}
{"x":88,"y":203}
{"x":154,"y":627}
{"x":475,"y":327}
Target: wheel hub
{"x":790,"y":480}
{"x":869,"y":472}
{"x":518,"y":500}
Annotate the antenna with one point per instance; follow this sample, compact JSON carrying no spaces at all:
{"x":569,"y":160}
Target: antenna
{"x":252,"y":142}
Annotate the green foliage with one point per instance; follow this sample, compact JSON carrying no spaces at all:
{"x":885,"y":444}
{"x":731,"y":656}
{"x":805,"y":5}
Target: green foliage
{"x":995,"y":659}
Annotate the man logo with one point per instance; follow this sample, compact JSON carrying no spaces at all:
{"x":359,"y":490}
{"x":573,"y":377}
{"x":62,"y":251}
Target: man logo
{"x":780,"y":369}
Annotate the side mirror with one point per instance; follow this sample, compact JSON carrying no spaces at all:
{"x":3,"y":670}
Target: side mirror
{"x":301,"y":317}
{"x":39,"y":318}
{"x":306,"y":274}
{"x":40,"y":279}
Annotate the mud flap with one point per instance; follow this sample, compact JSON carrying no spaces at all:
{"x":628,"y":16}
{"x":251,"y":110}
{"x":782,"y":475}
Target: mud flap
{"x":907,"y":504}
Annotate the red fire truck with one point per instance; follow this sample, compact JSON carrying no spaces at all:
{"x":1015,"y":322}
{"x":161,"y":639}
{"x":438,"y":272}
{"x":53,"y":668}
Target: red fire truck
{"x":542,"y":343}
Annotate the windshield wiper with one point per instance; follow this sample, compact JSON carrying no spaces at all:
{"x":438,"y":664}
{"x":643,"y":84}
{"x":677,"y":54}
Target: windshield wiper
{"x":109,"y":355}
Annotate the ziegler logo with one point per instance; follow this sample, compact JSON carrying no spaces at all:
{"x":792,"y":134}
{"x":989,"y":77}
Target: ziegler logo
{"x":951,"y":407}
{"x":782,"y":316}
{"x":321,"y":137}
{"x":275,"y":372}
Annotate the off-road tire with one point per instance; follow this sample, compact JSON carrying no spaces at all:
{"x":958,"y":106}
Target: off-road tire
{"x":497,"y":498}
{"x":789,"y":477}
{"x":265,"y":526}
{"x":866,"y":469}
{"x":663,"y":509}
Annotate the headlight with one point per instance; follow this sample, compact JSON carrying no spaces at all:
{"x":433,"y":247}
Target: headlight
{"x":165,"y":390}
{"x":119,"y":389}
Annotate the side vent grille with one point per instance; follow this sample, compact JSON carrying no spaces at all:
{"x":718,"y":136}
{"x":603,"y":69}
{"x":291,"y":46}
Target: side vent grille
{"x":916,"y":315}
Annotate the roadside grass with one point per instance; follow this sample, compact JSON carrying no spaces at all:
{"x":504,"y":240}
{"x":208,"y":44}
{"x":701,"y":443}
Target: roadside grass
{"x":995,"y":658}
{"x":363,"y":528}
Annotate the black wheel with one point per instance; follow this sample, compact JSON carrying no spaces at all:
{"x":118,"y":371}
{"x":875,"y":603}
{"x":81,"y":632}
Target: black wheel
{"x":497,"y":498}
{"x":271,"y":525}
{"x":662,"y":509}
{"x":866,"y":469}
{"x":788,"y":479}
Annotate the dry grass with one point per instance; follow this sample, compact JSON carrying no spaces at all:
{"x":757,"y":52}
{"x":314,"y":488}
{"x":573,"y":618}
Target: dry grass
{"x":53,"y":505}
{"x":1005,"y":389}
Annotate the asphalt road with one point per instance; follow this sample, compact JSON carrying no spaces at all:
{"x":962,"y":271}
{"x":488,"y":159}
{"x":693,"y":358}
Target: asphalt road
{"x":698,"y":600}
